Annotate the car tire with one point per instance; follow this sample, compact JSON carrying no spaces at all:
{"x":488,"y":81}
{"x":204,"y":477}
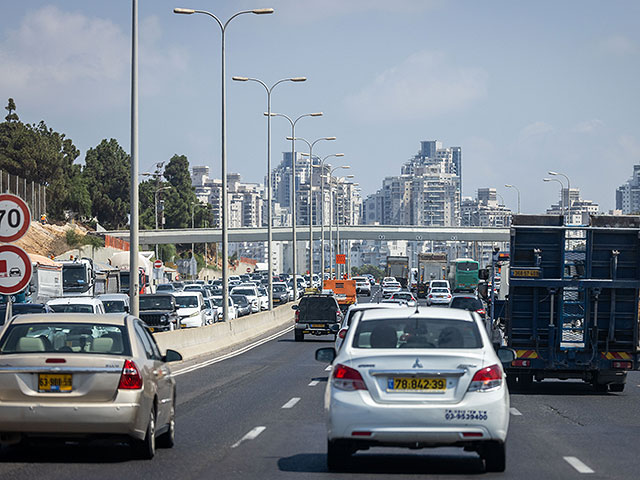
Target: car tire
{"x":616,"y":387}
{"x":601,"y":387}
{"x":298,"y":335}
{"x":147,"y":448}
{"x":167,"y":439}
{"x":338,"y":455}
{"x":494,"y":456}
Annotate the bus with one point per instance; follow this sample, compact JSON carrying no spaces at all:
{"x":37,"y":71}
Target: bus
{"x":463,"y":275}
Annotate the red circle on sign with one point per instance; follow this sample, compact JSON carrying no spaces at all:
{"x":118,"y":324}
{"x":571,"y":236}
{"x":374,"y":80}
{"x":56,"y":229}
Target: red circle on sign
{"x":26,"y":215}
{"x":157,"y":264}
{"x":248,"y":269}
{"x":27,"y":272}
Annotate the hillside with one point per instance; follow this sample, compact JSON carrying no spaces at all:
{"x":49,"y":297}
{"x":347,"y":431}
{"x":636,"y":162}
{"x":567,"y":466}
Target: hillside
{"x":47,"y":239}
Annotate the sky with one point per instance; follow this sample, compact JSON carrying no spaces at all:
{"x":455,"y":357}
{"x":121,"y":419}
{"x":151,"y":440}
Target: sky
{"x":522,"y":87}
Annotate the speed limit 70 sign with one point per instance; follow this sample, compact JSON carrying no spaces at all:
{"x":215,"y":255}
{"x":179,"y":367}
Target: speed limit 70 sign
{"x":15,"y":217}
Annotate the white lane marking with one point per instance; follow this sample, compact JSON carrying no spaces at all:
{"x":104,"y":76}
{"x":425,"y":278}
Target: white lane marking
{"x":249,"y":436}
{"x":231,"y":354}
{"x":328,"y":369}
{"x":291,"y":403}
{"x":313,"y":383}
{"x":578,"y":465}
{"x":515,"y":411}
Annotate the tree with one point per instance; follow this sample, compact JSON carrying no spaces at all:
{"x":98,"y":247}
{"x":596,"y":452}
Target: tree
{"x":178,"y":199}
{"x":11,"y":107}
{"x":106,"y":173}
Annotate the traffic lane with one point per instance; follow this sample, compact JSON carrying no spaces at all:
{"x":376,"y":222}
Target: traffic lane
{"x":217,"y":406}
{"x":600,"y":429}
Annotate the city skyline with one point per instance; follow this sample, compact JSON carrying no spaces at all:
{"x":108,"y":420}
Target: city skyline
{"x":385,"y":75}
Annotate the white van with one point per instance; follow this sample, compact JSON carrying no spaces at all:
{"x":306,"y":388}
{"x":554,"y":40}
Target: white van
{"x":190,"y":307}
{"x":76,"y":305}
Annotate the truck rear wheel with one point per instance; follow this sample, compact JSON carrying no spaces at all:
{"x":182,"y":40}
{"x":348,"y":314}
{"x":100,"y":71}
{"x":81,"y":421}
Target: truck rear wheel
{"x":617,"y":387}
{"x":298,"y":335}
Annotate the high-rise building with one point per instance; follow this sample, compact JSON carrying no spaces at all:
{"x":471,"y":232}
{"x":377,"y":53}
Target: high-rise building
{"x":573,"y":207}
{"x":628,"y":194}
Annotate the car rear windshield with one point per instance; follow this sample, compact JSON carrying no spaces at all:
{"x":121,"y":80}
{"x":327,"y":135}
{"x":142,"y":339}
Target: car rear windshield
{"x":440,"y":290}
{"x":84,"y":338}
{"x":72,"y":308}
{"x":466,"y":303}
{"x":318,"y":308}
{"x":187,"y":301}
{"x":156,"y":303}
{"x":113,"y":306}
{"x":244,"y":291}
{"x":417,"y":333}
{"x":436,"y":284}
{"x":239,"y":299}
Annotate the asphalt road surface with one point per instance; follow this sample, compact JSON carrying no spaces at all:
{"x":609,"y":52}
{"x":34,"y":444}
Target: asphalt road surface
{"x":259,"y":415}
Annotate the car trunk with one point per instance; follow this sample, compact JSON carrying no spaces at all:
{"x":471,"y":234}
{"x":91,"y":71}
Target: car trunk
{"x":94,"y":378}
{"x":419,"y":376}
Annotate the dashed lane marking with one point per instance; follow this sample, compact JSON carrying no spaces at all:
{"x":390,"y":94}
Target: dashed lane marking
{"x":578,"y":465}
{"x":313,"y":383}
{"x":291,"y":403}
{"x":515,"y":411}
{"x":249,"y":436}
{"x":235,"y":353}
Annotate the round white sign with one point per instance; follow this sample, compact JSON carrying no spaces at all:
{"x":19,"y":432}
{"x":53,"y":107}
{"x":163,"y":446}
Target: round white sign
{"x":15,"y":217}
{"x":15,"y":269}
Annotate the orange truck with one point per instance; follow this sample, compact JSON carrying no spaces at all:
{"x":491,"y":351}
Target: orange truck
{"x":344,"y":291}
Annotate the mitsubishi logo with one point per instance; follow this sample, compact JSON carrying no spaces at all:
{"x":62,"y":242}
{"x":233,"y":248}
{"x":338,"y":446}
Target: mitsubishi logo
{"x":417,"y":364}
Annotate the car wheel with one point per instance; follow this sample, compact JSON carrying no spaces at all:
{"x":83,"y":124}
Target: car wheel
{"x":147,"y":447}
{"x":167,"y":439}
{"x":601,"y":387}
{"x":616,"y":387}
{"x":338,"y":455}
{"x":494,"y":456}
{"x":298,"y":335}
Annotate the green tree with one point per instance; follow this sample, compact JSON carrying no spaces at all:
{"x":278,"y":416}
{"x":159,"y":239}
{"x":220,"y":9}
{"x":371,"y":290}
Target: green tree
{"x":106,"y":173}
{"x":178,"y":199}
{"x":377,"y":272}
{"x":11,"y":107}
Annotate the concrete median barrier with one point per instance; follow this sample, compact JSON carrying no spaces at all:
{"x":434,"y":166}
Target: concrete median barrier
{"x":192,"y":342}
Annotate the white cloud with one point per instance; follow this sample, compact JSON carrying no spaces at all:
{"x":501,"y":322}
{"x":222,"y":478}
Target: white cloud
{"x":588,"y":126}
{"x":618,"y":45}
{"x":312,"y":11}
{"x":535,"y":129}
{"x":424,"y":85}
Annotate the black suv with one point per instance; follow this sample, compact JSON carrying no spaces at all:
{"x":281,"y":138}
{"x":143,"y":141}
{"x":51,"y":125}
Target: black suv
{"x":468,"y":302}
{"x":158,"y":311}
{"x":317,"y":314}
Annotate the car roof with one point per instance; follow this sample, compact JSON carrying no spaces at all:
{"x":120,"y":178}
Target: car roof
{"x":110,"y":318}
{"x":425,"y":312}
{"x":188,"y":293}
{"x":74,"y":301}
{"x":113,"y":296}
{"x":371,"y":306}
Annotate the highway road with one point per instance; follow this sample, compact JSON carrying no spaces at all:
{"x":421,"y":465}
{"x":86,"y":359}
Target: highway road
{"x":259,"y":415}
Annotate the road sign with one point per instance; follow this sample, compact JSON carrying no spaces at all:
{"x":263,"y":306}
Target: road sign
{"x":15,"y":218}
{"x":341,"y":258}
{"x":15,"y":269}
{"x":157,"y":264}
{"x":248,"y":269}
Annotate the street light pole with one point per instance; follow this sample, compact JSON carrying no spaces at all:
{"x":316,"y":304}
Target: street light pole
{"x":225,"y":219}
{"x":338,"y":221}
{"x":158,"y":190}
{"x":134,"y":277}
{"x":517,"y":190}
{"x":269,"y":203}
{"x":568,"y":193}
{"x":561,"y":190}
{"x":310,"y":145}
{"x":294,"y":241}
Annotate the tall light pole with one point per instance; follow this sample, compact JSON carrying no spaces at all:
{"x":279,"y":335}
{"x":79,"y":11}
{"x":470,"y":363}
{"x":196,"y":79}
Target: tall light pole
{"x":294,"y":241}
{"x":338,"y":249}
{"x":225,"y":219}
{"x":561,"y":190}
{"x":310,"y":145}
{"x":269,"y":205}
{"x":322,"y":208}
{"x":134,"y":282}
{"x":568,"y":193}
{"x":158,"y":190}
{"x":517,"y":190}
{"x":332,"y":264}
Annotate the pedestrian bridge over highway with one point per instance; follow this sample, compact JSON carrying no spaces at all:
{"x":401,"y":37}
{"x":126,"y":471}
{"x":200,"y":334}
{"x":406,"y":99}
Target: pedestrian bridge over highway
{"x":355,"y":232}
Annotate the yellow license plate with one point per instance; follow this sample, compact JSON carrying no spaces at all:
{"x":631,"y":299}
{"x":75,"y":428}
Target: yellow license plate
{"x":59,"y":382}
{"x":416,"y":384}
{"x":317,"y":325}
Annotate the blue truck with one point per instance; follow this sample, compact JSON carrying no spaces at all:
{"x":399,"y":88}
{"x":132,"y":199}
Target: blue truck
{"x":572,"y":306}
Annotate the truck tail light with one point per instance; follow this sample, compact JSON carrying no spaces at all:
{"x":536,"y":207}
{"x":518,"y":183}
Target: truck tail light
{"x":347,"y":378}
{"x":521,"y":363}
{"x":487,"y":379}
{"x":297,"y":316}
{"x":622,"y":365}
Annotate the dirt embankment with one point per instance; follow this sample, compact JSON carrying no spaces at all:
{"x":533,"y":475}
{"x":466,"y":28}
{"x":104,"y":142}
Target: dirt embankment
{"x":47,"y":239}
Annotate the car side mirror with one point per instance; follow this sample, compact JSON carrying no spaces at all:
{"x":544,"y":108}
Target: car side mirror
{"x":326,"y":355}
{"x":506,"y":355}
{"x":335,"y":328}
{"x":294,"y":307}
{"x":171,"y":356}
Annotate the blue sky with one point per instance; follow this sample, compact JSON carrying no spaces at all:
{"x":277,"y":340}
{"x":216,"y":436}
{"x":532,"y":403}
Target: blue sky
{"x":523,"y":87}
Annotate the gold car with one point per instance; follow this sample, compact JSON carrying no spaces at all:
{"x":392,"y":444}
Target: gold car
{"x":76,"y":375}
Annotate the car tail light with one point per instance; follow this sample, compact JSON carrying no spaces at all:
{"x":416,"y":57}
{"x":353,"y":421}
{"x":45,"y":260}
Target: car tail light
{"x":55,"y":360}
{"x":130,"y":378}
{"x":342,"y":333}
{"x":481,"y":311}
{"x":521,"y":363}
{"x":622,"y":365}
{"x":430,"y":296}
{"x":347,"y":378}
{"x":297,"y":316}
{"x":487,"y":379}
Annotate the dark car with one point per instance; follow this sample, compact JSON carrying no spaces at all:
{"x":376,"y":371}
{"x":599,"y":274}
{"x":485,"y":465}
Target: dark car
{"x":280,"y":295}
{"x":158,"y":311}
{"x":242,"y":304}
{"x":468,"y":302}
{"x":165,"y":287}
{"x":317,"y":314}
{"x":22,"y":309}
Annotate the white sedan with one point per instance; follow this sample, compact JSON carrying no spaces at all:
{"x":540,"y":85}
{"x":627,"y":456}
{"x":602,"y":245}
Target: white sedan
{"x":416,"y":380}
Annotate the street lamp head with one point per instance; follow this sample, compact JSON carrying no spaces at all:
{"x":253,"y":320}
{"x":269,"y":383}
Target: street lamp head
{"x":185,"y":11}
{"x":329,"y":138}
{"x":547,"y":179}
{"x":298,"y":79}
{"x":552,"y":173}
{"x":349,"y":176}
{"x":339,"y":155}
{"x":317,"y":114}
{"x":290,"y":138}
{"x":262,"y":11}
{"x":508,"y":185}
{"x":240,"y":79}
